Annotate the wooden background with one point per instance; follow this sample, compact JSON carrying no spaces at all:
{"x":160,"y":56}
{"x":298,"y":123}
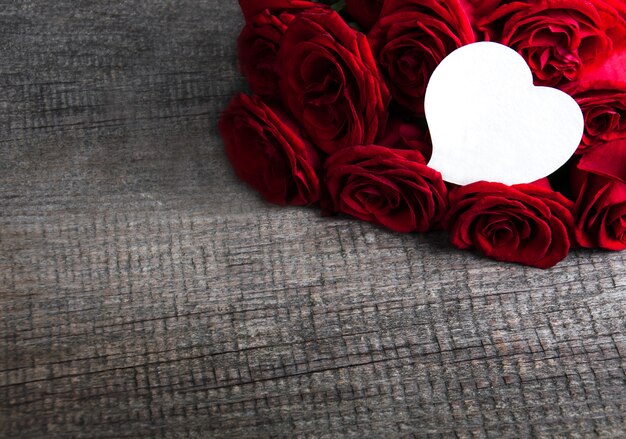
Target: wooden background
{"x":144,"y":292}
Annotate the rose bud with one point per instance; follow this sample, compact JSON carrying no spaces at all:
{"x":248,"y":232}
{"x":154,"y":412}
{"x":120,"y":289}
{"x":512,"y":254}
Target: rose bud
{"x":330,"y":82}
{"x":389,"y":187}
{"x":599,"y":184}
{"x":409,"y":41}
{"x":527,"y":224}
{"x":267,"y":152}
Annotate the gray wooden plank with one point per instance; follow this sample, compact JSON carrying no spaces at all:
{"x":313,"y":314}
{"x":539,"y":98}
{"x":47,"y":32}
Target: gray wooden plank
{"x":146,"y":293}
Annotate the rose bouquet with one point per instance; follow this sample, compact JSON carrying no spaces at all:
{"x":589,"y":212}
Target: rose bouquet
{"x":336,"y":117}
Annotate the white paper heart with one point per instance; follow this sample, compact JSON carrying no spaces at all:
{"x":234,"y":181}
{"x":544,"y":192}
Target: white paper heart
{"x":489,"y":122}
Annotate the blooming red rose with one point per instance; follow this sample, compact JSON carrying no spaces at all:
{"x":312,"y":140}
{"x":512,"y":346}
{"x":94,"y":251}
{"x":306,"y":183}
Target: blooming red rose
{"x":601,"y":94}
{"x":405,"y":135}
{"x":526,"y":224}
{"x":599,"y":184}
{"x":364,"y":12}
{"x":409,"y":41}
{"x":267,"y":152}
{"x":556,"y":37}
{"x":389,"y":187}
{"x":330,"y":82}
{"x":251,"y":8}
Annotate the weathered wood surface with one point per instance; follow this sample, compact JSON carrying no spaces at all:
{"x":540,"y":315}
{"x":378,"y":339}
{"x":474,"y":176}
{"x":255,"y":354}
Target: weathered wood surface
{"x":144,"y":292}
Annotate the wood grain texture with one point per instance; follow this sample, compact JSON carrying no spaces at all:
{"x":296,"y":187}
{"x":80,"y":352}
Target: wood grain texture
{"x":146,"y":293}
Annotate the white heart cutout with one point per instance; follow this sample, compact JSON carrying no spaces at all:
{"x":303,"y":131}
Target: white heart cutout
{"x":489,"y":122}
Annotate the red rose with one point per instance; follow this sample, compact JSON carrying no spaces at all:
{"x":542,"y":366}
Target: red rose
{"x":258,"y":45}
{"x":599,"y":184}
{"x":364,"y":12}
{"x":556,"y":37}
{"x":409,"y":41}
{"x":404,"y":135}
{"x":267,"y":152}
{"x":526,"y":224}
{"x":251,"y":8}
{"x":601,"y":94}
{"x":330,"y":82}
{"x":392,"y":188}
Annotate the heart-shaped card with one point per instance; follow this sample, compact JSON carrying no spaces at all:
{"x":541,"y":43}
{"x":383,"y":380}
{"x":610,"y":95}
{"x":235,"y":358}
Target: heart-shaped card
{"x":489,"y":122}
